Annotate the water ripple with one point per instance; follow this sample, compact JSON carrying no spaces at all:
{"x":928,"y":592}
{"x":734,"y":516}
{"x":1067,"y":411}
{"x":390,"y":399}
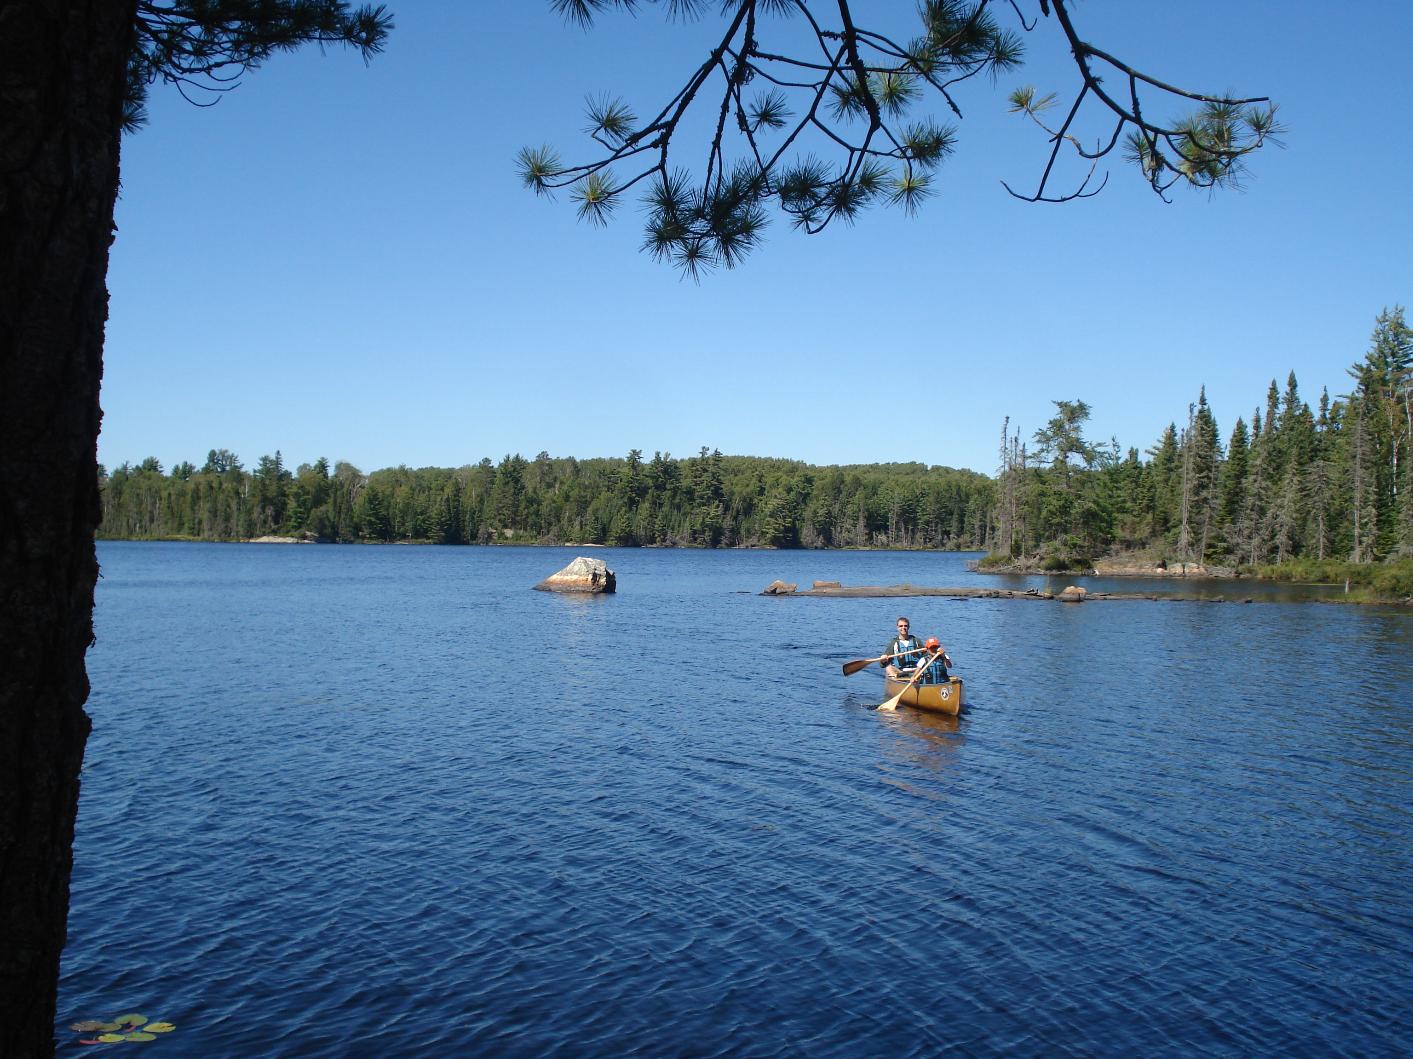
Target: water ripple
{"x":341,"y":814}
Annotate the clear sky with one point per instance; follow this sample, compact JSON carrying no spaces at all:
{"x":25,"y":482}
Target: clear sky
{"x":339,"y":260}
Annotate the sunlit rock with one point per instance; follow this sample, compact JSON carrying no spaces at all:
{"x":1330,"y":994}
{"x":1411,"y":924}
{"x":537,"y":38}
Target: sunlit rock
{"x":582,"y":575}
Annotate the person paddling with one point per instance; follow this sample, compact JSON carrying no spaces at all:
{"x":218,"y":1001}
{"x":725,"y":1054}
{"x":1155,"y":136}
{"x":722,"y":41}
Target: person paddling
{"x":911,"y":653}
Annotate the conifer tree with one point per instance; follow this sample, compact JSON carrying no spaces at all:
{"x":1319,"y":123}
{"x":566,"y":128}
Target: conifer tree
{"x":833,"y":116}
{"x":74,"y":75}
{"x":1166,"y":469}
{"x":1233,"y":481}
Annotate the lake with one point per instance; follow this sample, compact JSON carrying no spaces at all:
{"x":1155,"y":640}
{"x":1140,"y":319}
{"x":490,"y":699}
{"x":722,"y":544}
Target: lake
{"x":388,"y":801}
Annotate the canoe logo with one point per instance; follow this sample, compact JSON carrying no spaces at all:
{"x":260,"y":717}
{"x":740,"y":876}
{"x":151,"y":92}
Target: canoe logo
{"x":946,"y":694}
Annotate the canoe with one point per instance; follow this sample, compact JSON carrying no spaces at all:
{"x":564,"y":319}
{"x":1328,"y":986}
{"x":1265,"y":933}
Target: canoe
{"x":939,"y":698}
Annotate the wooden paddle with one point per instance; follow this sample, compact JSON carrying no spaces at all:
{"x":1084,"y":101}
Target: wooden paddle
{"x":892,"y":704}
{"x":850,"y":668}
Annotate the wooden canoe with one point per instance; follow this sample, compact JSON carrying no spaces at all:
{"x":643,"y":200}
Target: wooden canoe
{"x":939,"y":698}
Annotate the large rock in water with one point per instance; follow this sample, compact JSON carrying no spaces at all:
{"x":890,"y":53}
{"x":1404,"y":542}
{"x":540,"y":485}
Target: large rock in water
{"x":582,"y":575}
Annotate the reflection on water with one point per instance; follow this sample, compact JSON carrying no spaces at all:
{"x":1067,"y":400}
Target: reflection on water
{"x":927,"y":741}
{"x":934,"y":728}
{"x":1230,"y":589}
{"x":391,"y":801}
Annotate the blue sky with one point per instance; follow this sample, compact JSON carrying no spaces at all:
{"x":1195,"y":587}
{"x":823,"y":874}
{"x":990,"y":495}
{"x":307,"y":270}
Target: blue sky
{"x":339,"y":260}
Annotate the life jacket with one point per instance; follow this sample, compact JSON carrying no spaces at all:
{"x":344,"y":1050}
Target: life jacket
{"x":911,"y":649}
{"x":915,"y":653}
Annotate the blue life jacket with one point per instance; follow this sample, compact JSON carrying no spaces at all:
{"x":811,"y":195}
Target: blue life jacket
{"x":915,"y":653}
{"x":910,"y":647}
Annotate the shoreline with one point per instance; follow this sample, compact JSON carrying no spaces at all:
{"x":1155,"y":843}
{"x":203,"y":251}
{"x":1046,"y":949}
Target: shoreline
{"x":1071,"y":595}
{"x":1109,"y":568}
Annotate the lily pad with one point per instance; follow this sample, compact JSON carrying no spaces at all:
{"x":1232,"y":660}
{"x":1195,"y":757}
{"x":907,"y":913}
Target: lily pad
{"x":131,"y":1020}
{"x":139,"y":1036}
{"x":110,"y":1038}
{"x":159,"y":1027}
{"x":108,"y":1027}
{"x":87,"y":1026}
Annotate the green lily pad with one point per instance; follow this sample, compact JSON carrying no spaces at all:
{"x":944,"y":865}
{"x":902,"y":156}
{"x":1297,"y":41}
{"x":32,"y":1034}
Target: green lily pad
{"x":108,"y":1027}
{"x":131,"y":1020}
{"x":159,"y":1027}
{"x":139,"y":1036}
{"x":110,"y":1038}
{"x":86,"y":1026}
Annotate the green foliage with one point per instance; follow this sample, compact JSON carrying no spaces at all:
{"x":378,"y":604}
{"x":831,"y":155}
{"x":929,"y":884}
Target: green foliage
{"x":772,"y":94}
{"x":204,"y":46}
{"x":709,"y":500}
{"x":1393,"y":580}
{"x":120,"y":1030}
{"x":861,"y":98}
{"x":1296,"y":491}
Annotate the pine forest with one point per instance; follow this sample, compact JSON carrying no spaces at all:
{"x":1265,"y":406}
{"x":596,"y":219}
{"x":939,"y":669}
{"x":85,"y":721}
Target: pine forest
{"x":1292,"y":485}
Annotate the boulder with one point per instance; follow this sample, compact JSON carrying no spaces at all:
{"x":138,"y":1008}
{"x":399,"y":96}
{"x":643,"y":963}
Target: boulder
{"x":778,"y":588}
{"x":1073,"y":594}
{"x":582,"y":575}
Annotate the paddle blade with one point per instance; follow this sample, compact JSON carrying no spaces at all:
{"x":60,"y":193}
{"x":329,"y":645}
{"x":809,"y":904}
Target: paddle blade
{"x":850,"y":668}
{"x":892,"y":704}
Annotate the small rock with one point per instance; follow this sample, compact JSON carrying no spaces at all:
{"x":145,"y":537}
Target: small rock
{"x":778,"y":588}
{"x":582,"y":575}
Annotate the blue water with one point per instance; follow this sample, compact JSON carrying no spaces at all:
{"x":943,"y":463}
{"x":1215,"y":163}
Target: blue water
{"x":387,"y":801}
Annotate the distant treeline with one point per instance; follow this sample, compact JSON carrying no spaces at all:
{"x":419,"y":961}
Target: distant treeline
{"x":1332,"y":483}
{"x":708,"y":500}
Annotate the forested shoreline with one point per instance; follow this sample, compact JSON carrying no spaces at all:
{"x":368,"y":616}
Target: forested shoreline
{"x":1292,"y":485}
{"x":1295,"y":484}
{"x":708,"y":501}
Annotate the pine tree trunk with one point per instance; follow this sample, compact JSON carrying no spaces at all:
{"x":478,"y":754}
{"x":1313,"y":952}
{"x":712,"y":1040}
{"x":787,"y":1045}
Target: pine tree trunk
{"x":1358,"y":555}
{"x":61,"y":89}
{"x":1184,"y":533}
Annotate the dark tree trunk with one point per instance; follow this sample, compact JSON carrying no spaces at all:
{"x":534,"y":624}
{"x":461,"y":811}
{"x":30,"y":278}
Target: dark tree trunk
{"x":61,"y":89}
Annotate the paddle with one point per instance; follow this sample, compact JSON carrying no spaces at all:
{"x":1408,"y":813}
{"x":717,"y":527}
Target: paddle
{"x":850,"y":668}
{"x":892,"y":704}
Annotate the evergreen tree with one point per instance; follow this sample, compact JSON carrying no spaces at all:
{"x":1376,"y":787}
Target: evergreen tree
{"x":868,"y":98}
{"x":1166,"y":470}
{"x":1234,"y":476}
{"x":74,"y":73}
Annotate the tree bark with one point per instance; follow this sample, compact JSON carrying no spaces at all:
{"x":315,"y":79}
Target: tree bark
{"x":61,"y":93}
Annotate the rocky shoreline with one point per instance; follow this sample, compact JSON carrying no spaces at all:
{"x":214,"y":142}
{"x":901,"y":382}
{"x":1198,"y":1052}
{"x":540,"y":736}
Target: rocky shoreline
{"x":1121,"y":568}
{"x":1071,"y":594}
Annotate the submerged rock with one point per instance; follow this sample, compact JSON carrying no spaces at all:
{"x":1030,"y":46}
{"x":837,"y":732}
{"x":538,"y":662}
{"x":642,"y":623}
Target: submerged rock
{"x":582,"y":575}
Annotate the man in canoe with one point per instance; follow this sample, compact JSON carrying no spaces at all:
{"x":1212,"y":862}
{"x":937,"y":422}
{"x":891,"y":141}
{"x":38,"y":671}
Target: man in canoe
{"x":912,"y":652}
